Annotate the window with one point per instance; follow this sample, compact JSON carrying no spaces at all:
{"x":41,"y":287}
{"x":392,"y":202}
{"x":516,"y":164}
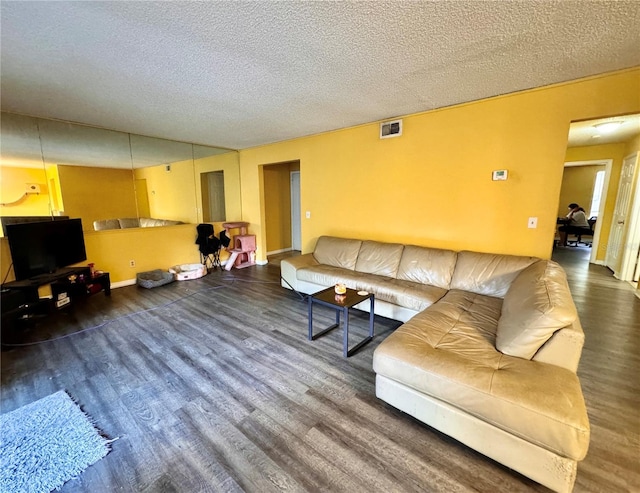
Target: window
{"x":597,"y":194}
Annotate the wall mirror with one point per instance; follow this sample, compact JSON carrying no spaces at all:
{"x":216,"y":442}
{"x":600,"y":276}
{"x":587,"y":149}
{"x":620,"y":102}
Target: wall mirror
{"x":110,"y":179}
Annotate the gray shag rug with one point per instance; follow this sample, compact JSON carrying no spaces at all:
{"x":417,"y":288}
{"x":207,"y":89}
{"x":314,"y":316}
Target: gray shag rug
{"x":46,"y":443}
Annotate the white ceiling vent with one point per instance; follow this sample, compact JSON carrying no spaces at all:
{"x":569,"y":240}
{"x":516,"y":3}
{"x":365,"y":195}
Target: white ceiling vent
{"x":391,"y":129}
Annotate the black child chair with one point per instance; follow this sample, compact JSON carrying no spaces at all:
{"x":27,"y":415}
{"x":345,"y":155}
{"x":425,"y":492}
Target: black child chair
{"x":208,"y":245}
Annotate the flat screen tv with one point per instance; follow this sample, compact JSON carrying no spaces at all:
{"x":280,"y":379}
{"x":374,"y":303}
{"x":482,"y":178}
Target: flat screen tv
{"x":39,"y":248}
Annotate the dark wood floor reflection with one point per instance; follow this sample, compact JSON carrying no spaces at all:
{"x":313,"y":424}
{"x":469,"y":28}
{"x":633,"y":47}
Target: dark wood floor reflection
{"x":211,"y":385}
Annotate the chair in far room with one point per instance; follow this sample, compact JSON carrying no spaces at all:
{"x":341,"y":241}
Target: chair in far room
{"x":209,"y":246}
{"x":592,"y":224}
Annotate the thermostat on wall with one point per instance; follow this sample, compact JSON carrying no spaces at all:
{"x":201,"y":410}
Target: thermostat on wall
{"x":500,"y":174}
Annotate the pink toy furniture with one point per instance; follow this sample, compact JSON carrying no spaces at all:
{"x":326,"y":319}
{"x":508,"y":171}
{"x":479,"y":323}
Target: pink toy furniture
{"x":242,"y":248}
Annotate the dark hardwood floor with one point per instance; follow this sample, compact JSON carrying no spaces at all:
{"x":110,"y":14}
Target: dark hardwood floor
{"x":211,"y":385}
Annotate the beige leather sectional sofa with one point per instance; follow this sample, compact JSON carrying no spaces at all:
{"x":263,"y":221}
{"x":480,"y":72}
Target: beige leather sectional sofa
{"x":132,"y":222}
{"x":487,"y":354}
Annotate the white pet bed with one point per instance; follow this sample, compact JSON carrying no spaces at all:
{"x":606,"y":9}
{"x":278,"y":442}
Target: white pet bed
{"x":186,"y":272}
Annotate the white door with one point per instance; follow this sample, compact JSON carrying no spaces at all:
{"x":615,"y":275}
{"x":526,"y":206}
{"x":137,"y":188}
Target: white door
{"x":615,"y":247}
{"x":296,"y":234}
{"x":631,"y":250}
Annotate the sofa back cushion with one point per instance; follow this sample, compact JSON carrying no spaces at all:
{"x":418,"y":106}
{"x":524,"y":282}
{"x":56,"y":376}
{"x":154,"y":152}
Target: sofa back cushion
{"x":490,"y":274}
{"x":104,"y":224}
{"x":149,"y":222}
{"x":427,"y":266}
{"x":337,"y":252}
{"x":537,"y":304}
{"x":379,"y":258}
{"x":129,"y":222}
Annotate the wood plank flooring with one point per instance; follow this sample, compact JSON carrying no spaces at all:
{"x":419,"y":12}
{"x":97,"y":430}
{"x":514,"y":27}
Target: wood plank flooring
{"x":211,"y":385}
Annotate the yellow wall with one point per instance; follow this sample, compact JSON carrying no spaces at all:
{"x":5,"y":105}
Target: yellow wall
{"x":577,"y":187}
{"x":592,"y":153}
{"x":432,"y":186}
{"x":97,"y":193}
{"x":171,"y":193}
{"x":150,"y":248}
{"x":13,"y":181}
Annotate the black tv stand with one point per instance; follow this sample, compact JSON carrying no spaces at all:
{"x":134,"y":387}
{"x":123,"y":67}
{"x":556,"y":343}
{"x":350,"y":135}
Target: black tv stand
{"x":20,"y":299}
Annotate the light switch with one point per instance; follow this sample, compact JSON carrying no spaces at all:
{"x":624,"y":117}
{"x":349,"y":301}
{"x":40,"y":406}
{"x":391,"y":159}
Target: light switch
{"x":308,"y":215}
{"x":533,"y":222}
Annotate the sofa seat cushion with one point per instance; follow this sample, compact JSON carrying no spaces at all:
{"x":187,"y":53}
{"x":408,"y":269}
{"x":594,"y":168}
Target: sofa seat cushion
{"x":408,"y":294}
{"x":448,"y":352}
{"x":327,"y":275}
{"x":402,"y":293}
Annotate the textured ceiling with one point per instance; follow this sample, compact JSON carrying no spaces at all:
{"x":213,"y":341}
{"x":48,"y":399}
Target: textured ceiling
{"x":239,"y":74}
{"x":587,"y":133}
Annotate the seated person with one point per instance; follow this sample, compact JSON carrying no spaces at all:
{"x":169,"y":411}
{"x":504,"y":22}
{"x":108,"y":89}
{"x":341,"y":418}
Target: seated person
{"x":575,"y":223}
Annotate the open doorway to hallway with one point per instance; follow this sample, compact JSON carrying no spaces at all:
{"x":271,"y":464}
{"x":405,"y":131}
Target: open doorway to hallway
{"x":598,"y":177}
{"x":282,"y":209}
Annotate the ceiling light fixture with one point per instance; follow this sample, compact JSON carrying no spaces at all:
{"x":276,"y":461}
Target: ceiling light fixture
{"x":607,"y":127}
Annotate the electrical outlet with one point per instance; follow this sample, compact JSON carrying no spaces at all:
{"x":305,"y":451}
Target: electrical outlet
{"x":533,"y":223}
{"x":132,"y":263}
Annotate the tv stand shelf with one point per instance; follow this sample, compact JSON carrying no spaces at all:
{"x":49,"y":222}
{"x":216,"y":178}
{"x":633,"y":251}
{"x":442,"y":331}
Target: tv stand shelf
{"x":21,"y":302}
{"x":59,"y":281}
{"x":65,"y":290}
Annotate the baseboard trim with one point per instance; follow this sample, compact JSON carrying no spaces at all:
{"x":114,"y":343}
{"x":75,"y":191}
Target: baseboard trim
{"x":131,"y":282}
{"x":122,"y":284}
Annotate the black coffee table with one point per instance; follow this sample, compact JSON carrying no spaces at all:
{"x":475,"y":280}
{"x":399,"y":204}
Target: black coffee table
{"x":341,"y":304}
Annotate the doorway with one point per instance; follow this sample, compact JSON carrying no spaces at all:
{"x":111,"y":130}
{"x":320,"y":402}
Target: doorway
{"x":281,"y":183}
{"x":586,"y":183}
{"x":606,"y":141}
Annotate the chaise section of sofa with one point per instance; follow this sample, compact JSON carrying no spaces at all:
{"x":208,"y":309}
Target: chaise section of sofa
{"x":488,"y":352}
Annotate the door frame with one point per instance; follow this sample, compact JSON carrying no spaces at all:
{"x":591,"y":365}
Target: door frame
{"x":608,"y":164}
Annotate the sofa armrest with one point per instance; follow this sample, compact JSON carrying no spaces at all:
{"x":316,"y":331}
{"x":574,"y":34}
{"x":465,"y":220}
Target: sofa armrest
{"x":564,"y":348}
{"x":290,"y":266}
